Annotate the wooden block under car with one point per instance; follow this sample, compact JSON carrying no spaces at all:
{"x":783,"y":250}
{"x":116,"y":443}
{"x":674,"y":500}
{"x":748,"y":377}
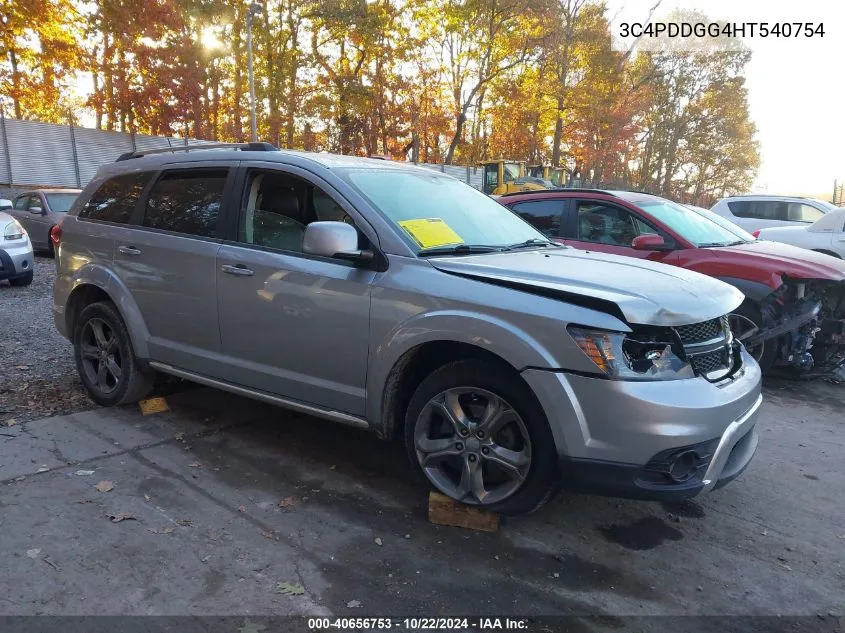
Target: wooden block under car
{"x":153,"y":405}
{"x":445,"y":511}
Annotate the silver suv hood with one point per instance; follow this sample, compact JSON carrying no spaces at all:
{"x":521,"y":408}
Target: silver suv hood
{"x":645,"y":292}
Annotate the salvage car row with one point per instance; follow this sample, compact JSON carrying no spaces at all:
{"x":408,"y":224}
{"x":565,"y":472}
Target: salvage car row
{"x":511,"y":357}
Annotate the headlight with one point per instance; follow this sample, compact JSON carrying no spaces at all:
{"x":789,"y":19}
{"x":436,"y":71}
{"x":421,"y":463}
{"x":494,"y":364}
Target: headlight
{"x":13,"y":231}
{"x":625,"y":357}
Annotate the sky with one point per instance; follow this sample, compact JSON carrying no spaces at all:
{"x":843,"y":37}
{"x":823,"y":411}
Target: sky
{"x":795,"y":87}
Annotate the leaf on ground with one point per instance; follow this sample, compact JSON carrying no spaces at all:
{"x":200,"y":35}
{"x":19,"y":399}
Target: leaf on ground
{"x":195,"y":465}
{"x":105,"y":486}
{"x":287,"y":502}
{"x":242,"y":508}
{"x":10,"y":422}
{"x":146,"y":497}
{"x":270,"y":536}
{"x":353,"y":604}
{"x":167,"y":530}
{"x":84,"y":473}
{"x":378,"y":541}
{"x":33,"y":553}
{"x":179,"y":437}
{"x":120,"y":516}
{"x":290,"y":589}
{"x":185,"y":522}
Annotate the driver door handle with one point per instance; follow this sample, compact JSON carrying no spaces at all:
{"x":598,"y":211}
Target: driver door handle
{"x":239,"y":269}
{"x":129,"y":250}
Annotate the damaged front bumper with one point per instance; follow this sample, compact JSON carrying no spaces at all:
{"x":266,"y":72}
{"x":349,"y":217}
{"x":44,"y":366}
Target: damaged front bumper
{"x":807,"y":317}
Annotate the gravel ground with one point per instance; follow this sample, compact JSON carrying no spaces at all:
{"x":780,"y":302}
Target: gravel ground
{"x":37,"y":374}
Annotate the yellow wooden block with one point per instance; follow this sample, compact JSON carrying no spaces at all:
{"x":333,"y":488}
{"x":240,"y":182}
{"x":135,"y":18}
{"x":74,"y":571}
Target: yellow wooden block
{"x":443,"y":510}
{"x":153,"y":405}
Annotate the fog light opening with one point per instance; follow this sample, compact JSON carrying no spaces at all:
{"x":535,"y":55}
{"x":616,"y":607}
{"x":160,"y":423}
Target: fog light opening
{"x":684,"y":466}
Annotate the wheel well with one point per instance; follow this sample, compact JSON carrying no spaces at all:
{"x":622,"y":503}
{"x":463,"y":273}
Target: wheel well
{"x":412,"y":368}
{"x":824,"y":252}
{"x":82,"y":296}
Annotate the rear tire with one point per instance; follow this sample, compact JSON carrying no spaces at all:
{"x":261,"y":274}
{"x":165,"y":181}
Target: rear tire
{"x":741,"y":319}
{"x":22,"y":281}
{"x":512,"y":467}
{"x":105,"y":360}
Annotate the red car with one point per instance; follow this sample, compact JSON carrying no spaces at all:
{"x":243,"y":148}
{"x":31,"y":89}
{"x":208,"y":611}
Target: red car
{"x":794,"y":312}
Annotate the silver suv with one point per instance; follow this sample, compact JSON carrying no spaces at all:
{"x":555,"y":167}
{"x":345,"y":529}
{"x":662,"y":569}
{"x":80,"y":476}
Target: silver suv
{"x":400,"y":300}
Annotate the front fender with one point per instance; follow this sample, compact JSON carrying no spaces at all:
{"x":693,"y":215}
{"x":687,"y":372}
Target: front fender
{"x":512,"y":344}
{"x":92,"y":274}
{"x":754,"y":290}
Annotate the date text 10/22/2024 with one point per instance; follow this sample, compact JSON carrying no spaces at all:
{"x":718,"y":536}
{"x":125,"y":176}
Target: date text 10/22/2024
{"x":419,"y":624}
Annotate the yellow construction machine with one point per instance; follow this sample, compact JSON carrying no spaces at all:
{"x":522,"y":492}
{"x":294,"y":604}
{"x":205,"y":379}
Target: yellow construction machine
{"x":554,"y":175}
{"x":509,"y":176}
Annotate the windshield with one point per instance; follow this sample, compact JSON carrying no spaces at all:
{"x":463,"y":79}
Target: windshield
{"x":691,"y":225}
{"x":727,"y":224}
{"x":435,"y":211}
{"x":61,"y":202}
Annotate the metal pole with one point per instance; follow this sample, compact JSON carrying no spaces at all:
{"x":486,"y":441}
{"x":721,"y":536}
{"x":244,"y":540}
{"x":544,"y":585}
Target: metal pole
{"x":73,"y":151}
{"x":5,"y":140}
{"x":251,"y":78}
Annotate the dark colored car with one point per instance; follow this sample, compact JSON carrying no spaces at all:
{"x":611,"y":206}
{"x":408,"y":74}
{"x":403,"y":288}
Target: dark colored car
{"x":794,"y":312}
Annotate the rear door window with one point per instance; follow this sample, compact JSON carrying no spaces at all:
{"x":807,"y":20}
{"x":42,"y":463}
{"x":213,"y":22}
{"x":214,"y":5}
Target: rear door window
{"x":187,"y":201}
{"x":543,"y":215}
{"x":759,"y":209}
{"x":115,"y":200}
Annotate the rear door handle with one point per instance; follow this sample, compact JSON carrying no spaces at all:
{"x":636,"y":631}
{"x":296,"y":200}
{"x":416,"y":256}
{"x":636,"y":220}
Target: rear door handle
{"x":239,"y":269}
{"x":129,"y":250}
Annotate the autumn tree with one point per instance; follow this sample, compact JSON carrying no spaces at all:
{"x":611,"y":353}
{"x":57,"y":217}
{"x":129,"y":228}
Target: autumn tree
{"x":39,"y":56}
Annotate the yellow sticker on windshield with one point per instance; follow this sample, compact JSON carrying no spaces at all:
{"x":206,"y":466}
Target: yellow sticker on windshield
{"x":431,"y":232}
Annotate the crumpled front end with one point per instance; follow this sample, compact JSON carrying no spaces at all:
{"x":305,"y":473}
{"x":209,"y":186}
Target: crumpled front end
{"x":807,"y":316}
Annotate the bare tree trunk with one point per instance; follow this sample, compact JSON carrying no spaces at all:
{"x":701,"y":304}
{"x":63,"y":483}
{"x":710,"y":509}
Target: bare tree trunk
{"x":16,"y":79}
{"x":459,"y":128}
{"x":558,"y":134}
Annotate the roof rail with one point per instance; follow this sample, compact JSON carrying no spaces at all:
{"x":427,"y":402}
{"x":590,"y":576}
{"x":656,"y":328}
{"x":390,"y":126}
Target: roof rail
{"x":245,"y":147}
{"x":555,"y":190}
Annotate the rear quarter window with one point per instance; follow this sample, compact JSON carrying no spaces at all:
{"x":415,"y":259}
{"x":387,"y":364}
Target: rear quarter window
{"x":115,"y":200}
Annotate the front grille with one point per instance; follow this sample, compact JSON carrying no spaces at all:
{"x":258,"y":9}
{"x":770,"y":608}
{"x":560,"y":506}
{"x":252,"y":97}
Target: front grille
{"x":705,"y":345}
{"x":711,"y":361}
{"x":700,"y":332}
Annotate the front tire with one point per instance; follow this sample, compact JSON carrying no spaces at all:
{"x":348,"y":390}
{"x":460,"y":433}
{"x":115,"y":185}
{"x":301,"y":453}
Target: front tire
{"x":746,"y":321}
{"x":477,"y":434}
{"x":105,"y":360}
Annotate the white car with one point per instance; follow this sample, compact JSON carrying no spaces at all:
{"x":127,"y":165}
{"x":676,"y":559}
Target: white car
{"x":5,"y":204}
{"x":17,"y":261}
{"x":826,"y":235}
{"x":759,"y":212}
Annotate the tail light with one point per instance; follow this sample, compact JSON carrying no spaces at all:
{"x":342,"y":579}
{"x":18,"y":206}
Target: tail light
{"x":56,"y":235}
{"x":756,"y":233}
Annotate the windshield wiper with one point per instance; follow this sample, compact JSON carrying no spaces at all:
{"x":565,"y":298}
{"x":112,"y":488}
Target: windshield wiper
{"x":459,"y":249}
{"x":534,"y":241}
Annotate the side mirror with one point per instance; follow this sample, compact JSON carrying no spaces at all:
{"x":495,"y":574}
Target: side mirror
{"x":649,"y":243}
{"x":334,"y":239}
{"x":36,"y":210}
